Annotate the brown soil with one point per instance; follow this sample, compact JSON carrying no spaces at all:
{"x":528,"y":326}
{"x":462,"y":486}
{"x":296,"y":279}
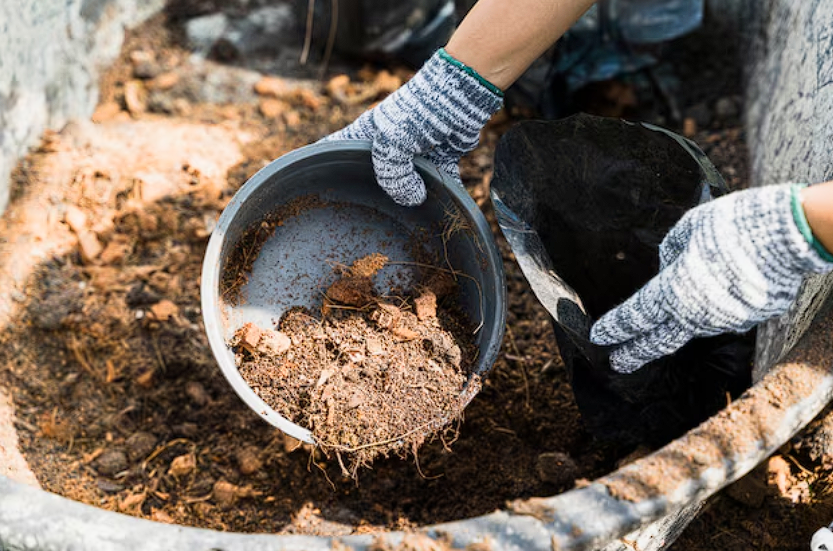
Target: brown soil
{"x":120,"y":404}
{"x":373,"y":376}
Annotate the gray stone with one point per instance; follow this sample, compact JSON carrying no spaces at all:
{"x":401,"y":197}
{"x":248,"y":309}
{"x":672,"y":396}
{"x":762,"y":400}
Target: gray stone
{"x":726,"y":108}
{"x":262,"y":30}
{"x":51,"y":55}
{"x":789,"y":101}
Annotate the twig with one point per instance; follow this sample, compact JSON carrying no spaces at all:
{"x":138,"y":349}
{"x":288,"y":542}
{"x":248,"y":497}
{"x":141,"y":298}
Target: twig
{"x":331,"y":38}
{"x":308,"y":35}
{"x":320,"y":468}
{"x":348,"y":449}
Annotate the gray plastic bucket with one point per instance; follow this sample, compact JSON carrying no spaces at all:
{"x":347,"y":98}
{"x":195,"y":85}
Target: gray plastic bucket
{"x":789,"y":107}
{"x":355,"y":218}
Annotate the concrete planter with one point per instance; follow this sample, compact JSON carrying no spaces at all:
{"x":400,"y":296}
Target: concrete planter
{"x":646,"y":504}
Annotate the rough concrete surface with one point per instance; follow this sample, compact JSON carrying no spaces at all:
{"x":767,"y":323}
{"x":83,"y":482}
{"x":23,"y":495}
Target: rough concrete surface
{"x":789,"y":114}
{"x":51,"y":54}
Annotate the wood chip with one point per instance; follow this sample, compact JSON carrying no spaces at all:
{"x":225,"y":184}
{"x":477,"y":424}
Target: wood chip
{"x":183,"y":465}
{"x":76,"y":219}
{"x":164,"y":310}
{"x":271,"y":86}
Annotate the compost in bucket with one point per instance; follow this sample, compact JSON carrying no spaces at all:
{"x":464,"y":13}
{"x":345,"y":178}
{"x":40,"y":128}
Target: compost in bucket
{"x":367,"y":374}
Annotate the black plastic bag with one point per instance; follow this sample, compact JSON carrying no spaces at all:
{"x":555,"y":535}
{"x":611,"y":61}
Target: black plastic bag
{"x":383,"y":29}
{"x":584,"y":203}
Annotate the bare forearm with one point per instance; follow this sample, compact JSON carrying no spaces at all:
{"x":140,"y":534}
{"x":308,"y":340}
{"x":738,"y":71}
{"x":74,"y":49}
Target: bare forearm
{"x":818,"y":208}
{"x":501,"y":38}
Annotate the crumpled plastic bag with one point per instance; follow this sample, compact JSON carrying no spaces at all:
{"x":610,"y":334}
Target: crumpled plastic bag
{"x":614,"y":38}
{"x":584,"y":203}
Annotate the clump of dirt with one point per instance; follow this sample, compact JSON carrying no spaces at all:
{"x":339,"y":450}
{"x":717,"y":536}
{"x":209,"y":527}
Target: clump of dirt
{"x":375,"y":375}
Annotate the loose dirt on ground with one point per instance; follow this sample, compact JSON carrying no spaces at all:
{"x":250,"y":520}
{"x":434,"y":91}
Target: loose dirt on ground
{"x":121,"y":405}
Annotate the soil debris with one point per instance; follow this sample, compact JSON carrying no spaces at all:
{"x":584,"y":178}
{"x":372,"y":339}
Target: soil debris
{"x":370,"y":377}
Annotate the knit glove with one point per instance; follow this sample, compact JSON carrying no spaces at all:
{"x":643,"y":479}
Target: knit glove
{"x":725,"y":266}
{"x":438,"y":114}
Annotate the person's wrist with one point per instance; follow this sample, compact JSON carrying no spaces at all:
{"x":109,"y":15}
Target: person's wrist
{"x":459,"y":65}
{"x":798,"y":198}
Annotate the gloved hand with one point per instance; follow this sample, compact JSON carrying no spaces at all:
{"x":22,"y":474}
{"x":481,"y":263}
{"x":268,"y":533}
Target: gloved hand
{"x":727,"y":265}
{"x":438,"y":114}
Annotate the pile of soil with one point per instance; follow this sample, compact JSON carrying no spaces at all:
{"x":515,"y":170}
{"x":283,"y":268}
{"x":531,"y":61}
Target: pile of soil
{"x":374,"y":375}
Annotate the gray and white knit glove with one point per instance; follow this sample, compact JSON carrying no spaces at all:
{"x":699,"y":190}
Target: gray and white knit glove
{"x":725,"y":266}
{"x":438,"y":113}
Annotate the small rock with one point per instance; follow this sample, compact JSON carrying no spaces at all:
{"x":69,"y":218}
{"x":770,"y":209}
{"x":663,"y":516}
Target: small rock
{"x":306,"y":98}
{"x":165,"y":81}
{"x":139,"y":445}
{"x":273,"y":343}
{"x":272,"y":108}
{"x":374,"y":346}
{"x":197,"y":393}
{"x":356,"y":399}
{"x":272,"y":87}
{"x":353,"y":291}
{"x":109,"y":487}
{"x":111,"y":462}
{"x":161,"y":516}
{"x":141,"y":56}
{"x":725,"y":108}
{"x":146,"y":70}
{"x":404,"y":334}
{"x":336,"y":85}
{"x":76,"y":219}
{"x":248,"y":336}
{"x":90,"y":246}
{"x":145,"y":378}
{"x":114,"y":252}
{"x":249,"y":461}
{"x":188,"y":430}
{"x":183,"y":465}
{"x":292,"y":119}
{"x":556,"y":468}
{"x":134,"y":97}
{"x":689,"y":127}
{"x":224,"y":493}
{"x":132,"y":502}
{"x":779,"y":474}
{"x":164,"y":310}
{"x":106,"y":111}
{"x":426,"y":305}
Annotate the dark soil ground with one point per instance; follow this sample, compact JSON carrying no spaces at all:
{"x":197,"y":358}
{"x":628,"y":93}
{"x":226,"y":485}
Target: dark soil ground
{"x":121,"y":405}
